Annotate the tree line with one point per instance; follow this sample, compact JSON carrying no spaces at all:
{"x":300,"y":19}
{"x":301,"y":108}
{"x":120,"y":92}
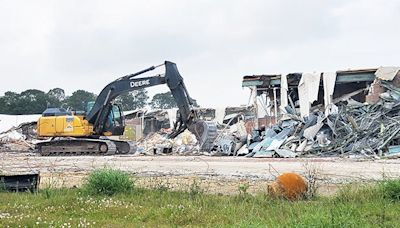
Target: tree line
{"x":33,"y":101}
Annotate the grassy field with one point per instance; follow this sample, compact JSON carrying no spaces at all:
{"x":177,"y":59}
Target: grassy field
{"x":362,"y":207}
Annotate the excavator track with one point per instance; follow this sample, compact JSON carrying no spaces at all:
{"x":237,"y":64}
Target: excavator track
{"x":79,"y":146}
{"x":206,"y":133}
{"x":125,"y":147}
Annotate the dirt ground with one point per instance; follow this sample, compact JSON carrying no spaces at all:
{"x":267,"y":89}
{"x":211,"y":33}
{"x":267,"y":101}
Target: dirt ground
{"x":220,"y":175}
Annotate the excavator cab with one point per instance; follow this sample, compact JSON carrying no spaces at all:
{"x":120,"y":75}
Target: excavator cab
{"x":115,"y":124}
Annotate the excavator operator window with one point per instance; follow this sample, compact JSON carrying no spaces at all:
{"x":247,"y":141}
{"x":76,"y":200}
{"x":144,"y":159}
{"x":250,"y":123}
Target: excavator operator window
{"x":114,"y":118}
{"x":116,"y":115}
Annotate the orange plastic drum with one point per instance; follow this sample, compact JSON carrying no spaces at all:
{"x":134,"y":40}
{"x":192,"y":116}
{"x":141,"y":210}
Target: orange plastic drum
{"x":289,"y":185}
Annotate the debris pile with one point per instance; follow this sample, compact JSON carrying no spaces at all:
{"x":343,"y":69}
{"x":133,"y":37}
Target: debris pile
{"x":345,"y":128}
{"x":230,"y":139}
{"x":228,"y":142}
{"x":19,"y":139}
{"x":364,"y":129}
{"x":159,"y":143}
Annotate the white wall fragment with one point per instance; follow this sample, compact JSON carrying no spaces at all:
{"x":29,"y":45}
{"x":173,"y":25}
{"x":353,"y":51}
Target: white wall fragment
{"x":284,"y":91}
{"x":387,"y":73}
{"x":308,"y":91}
{"x":329,"y":80}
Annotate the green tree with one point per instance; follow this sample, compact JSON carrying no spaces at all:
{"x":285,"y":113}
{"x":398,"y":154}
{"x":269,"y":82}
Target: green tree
{"x":78,"y":100}
{"x":3,"y":105}
{"x":55,"y":97}
{"x":166,"y":101}
{"x":31,"y":101}
{"x":8,"y":102}
{"x":133,"y":100}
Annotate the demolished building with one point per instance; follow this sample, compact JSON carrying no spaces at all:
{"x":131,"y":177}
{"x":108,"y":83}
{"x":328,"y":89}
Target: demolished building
{"x":352,"y":112}
{"x":142,"y":122}
{"x":230,"y":137}
{"x":343,"y":113}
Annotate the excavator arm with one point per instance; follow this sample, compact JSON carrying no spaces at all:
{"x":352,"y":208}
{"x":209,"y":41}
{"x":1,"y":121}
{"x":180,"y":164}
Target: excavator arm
{"x":103,"y":104}
{"x":187,"y":118}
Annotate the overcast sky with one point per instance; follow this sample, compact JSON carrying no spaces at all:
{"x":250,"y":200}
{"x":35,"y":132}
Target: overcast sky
{"x":87,"y":44}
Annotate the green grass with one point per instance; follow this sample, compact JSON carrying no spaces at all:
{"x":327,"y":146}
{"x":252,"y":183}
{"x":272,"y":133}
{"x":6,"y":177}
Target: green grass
{"x":352,"y":207}
{"x":108,"y":182}
{"x":391,"y":189}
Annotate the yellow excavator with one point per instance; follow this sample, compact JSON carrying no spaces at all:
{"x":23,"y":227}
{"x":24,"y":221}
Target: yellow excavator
{"x":86,"y":132}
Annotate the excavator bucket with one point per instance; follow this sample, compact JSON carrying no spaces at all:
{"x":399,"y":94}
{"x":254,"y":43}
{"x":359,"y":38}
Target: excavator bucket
{"x":205,"y":132}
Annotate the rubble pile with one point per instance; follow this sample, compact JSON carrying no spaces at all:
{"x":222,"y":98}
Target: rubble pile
{"x":159,"y":143}
{"x":230,"y":139}
{"x":228,"y":142}
{"x":19,"y":139}
{"x":346,"y":128}
{"x":364,"y":129}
